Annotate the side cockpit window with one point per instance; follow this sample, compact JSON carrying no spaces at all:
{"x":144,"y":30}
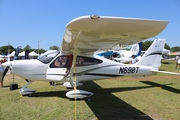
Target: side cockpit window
{"x":85,"y":61}
{"x":60,"y":62}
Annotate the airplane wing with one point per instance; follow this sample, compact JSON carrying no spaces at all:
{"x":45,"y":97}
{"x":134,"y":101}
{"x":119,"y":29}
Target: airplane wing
{"x":91,"y":33}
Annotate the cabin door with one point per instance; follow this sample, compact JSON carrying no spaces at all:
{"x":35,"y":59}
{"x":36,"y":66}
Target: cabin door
{"x":58,"y":68}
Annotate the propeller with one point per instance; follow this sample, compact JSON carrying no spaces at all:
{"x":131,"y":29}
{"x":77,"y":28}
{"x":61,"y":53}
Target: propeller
{"x":8,"y":66}
{"x":5,"y":72}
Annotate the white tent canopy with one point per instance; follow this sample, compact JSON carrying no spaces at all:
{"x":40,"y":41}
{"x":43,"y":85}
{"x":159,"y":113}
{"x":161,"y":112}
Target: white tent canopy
{"x":1,"y":56}
{"x":11,"y":55}
{"x":30,"y":54}
{"x":22,"y":53}
{"x":33,"y":54}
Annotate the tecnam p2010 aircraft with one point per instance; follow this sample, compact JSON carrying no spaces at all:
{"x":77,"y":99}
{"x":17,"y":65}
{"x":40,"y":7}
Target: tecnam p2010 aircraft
{"x":85,"y":35}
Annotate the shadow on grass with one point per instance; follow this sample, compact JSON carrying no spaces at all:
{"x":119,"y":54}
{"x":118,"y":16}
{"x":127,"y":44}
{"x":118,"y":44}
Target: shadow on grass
{"x":5,"y":86}
{"x":162,"y":69}
{"x":166,"y":62}
{"x":165,"y":86}
{"x":61,"y":94}
{"x":104,"y":104}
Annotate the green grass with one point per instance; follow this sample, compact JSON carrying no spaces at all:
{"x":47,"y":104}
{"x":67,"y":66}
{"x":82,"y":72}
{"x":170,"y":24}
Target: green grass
{"x":155,"y":97}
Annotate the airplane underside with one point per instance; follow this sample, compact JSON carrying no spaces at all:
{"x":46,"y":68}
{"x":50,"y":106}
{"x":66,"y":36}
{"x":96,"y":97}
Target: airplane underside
{"x":72,"y":94}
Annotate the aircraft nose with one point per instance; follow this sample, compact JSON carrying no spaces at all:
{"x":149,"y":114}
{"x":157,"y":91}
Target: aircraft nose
{"x":17,"y":67}
{"x":22,"y":67}
{"x":14,"y":65}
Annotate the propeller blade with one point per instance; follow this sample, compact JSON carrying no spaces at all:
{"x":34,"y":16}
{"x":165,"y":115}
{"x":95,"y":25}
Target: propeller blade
{"x":5,"y":72}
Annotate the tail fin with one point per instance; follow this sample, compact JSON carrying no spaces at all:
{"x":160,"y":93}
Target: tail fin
{"x":136,"y":49}
{"x":153,"y":55}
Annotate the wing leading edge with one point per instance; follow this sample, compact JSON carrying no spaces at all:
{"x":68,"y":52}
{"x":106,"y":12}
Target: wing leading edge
{"x":84,"y":34}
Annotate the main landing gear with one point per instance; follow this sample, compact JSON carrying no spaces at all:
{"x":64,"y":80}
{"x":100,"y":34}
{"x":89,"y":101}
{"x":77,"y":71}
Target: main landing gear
{"x":24,"y":91}
{"x":73,"y":94}
{"x":79,"y":94}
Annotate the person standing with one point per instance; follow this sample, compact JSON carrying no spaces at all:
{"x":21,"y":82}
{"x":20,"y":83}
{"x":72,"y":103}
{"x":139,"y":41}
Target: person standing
{"x":177,"y":59}
{"x":134,"y":59}
{"x":1,"y":73}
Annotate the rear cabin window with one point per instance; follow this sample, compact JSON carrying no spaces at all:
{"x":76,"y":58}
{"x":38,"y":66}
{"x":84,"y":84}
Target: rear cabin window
{"x":85,"y":61}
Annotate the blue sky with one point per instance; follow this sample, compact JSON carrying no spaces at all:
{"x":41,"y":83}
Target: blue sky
{"x":25,"y":22}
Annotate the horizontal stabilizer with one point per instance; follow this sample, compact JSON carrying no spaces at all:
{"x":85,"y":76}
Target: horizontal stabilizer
{"x":166,"y":72}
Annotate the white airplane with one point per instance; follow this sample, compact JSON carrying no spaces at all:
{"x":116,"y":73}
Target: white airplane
{"x":76,"y":61}
{"x":123,"y":56}
{"x":165,"y":54}
{"x":126,"y":56}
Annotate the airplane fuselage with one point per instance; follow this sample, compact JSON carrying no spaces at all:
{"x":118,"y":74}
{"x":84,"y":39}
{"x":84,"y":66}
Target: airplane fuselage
{"x":100,"y":69}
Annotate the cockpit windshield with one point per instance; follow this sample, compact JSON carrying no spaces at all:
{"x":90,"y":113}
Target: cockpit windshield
{"x":48,"y":56}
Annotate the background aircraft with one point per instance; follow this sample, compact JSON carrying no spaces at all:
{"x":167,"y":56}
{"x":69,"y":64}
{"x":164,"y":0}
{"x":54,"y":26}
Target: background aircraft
{"x":123,"y":56}
{"x":126,"y":56}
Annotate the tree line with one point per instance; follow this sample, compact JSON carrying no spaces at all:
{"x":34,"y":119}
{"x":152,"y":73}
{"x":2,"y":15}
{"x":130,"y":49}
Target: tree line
{"x":9,"y":48}
{"x":147,"y":43}
{"x":4,"y":50}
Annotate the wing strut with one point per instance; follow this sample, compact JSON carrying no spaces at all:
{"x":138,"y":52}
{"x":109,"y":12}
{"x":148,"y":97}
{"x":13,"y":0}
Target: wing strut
{"x":76,"y":94}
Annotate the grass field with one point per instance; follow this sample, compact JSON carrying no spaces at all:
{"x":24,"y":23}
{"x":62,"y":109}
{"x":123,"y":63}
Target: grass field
{"x":126,"y":98}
